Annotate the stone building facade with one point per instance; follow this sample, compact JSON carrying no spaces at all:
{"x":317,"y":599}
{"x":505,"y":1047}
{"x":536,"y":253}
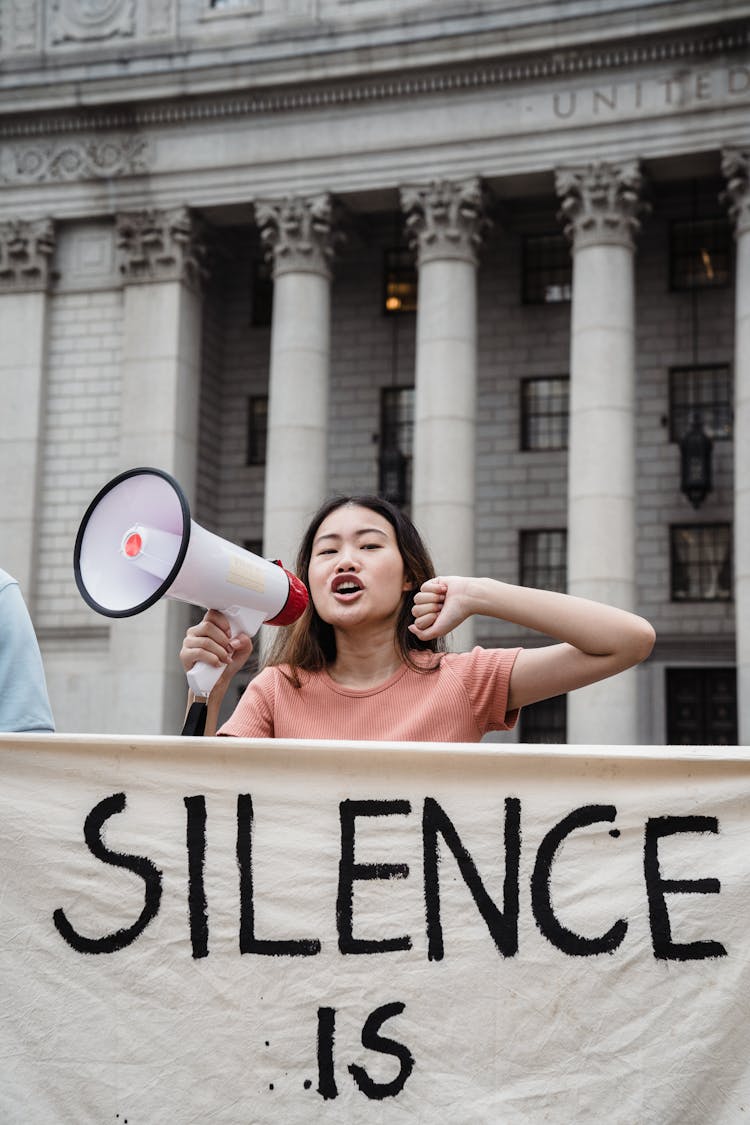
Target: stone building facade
{"x":493,"y":263}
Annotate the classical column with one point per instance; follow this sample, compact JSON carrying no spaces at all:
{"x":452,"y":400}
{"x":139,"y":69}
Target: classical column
{"x":26,"y":250}
{"x":161,"y":258}
{"x":600,"y":207}
{"x":299,"y":238}
{"x":446,"y":221}
{"x":736,"y":168}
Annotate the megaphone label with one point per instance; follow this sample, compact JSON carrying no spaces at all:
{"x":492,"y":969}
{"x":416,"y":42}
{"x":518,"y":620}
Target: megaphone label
{"x":243,"y":573}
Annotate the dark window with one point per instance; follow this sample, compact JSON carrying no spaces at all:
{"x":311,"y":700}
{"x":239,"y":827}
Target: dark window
{"x":255,"y":546}
{"x":547,"y":269}
{"x":543,"y":559}
{"x":705,"y":391}
{"x":262,"y":295}
{"x":400,"y":283}
{"x":396,"y":436}
{"x":699,"y":253}
{"x":701,"y":707}
{"x":701,"y":562}
{"x":544,"y":413}
{"x":257,"y":429}
{"x":545,"y":721}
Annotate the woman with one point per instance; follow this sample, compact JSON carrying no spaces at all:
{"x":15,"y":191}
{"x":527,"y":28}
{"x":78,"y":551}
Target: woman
{"x":367,"y":661}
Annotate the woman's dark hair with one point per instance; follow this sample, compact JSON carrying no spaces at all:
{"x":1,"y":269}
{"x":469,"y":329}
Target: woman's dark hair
{"x":310,"y":643}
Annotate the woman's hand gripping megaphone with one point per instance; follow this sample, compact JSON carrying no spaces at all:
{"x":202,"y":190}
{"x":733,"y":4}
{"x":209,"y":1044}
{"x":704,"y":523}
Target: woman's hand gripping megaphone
{"x":137,"y":544}
{"x":215,"y":649}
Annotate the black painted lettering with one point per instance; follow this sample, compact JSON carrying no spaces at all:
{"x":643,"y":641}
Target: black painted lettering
{"x":566,"y":940}
{"x":502,"y":924}
{"x":373,"y":1041}
{"x":249,"y":943}
{"x":326,"y":1035}
{"x":139,"y":865}
{"x":349,"y":871}
{"x":195,"y":838}
{"x":661,"y":930}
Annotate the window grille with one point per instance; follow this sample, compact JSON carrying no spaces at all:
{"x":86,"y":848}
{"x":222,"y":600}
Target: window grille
{"x":705,"y":391}
{"x":543,"y":559}
{"x":701,"y":557}
{"x":544,"y":412}
{"x":400,"y":283}
{"x":257,"y":429}
{"x":547,"y":269}
{"x":545,"y":721}
{"x":699,"y":253}
{"x":262,"y":295}
{"x":701,"y":707}
{"x":396,"y":443}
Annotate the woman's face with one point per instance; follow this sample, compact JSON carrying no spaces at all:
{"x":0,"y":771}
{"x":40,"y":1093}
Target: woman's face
{"x":356,"y":573}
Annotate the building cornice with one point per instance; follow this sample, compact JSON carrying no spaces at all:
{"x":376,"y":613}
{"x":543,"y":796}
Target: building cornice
{"x":725,"y":40}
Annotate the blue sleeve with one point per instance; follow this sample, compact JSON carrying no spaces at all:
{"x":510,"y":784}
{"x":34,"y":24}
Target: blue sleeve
{"x":24,"y":704}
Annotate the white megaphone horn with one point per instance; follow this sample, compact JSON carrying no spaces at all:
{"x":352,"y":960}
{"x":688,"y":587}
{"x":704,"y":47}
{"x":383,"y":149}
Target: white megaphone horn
{"x":137,"y":544}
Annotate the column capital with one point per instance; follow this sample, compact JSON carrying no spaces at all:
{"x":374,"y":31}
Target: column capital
{"x":26,"y":249}
{"x":298,"y":233}
{"x":446,"y":218}
{"x":735,"y":165}
{"x":601,"y":203}
{"x":161,"y":246}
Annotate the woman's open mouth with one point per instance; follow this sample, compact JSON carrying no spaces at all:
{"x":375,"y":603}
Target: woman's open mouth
{"x":345,"y":586}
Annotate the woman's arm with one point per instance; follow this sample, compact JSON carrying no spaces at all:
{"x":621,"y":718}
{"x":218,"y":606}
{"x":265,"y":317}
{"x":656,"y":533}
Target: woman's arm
{"x":596,"y":640}
{"x":211,"y":642}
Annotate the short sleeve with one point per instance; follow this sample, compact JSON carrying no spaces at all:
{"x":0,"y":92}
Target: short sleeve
{"x":24,"y":703}
{"x":485,"y":674}
{"x":253,"y":715}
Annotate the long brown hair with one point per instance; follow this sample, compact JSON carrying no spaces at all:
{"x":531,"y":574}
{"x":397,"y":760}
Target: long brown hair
{"x":310,"y":643}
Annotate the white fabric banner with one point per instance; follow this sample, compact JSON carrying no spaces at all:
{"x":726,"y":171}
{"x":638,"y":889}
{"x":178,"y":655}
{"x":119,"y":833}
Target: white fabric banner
{"x":223,"y":931}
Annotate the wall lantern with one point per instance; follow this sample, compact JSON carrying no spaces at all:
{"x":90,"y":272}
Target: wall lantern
{"x":695,"y":457}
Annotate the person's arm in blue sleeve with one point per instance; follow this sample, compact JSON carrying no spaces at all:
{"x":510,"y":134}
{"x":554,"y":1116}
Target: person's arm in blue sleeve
{"x":24,"y":703}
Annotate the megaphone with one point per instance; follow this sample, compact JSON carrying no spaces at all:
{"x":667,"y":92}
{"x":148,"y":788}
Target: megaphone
{"x":137,"y":544}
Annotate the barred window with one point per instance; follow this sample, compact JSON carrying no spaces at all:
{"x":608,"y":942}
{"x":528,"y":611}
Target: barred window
{"x":701,"y":562}
{"x":543,"y":562}
{"x":257,"y":429}
{"x":396,"y":443}
{"x":400,"y":282}
{"x":262,"y":296}
{"x":544,"y":412}
{"x":701,"y":707}
{"x":545,"y":721}
{"x":699,"y":253}
{"x":547,"y":269}
{"x":705,"y":391}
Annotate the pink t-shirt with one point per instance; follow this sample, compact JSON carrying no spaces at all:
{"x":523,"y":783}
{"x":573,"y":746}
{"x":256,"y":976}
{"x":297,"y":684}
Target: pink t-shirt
{"x":466,"y":696}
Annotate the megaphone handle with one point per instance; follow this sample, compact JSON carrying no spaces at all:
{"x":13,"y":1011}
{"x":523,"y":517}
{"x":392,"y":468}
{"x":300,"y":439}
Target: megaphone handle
{"x":202,"y":677}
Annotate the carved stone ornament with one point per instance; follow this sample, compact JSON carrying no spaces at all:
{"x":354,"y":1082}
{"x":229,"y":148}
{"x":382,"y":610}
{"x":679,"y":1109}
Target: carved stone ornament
{"x":26,"y":249}
{"x":601,"y":203}
{"x":298,"y":233}
{"x":85,"y":21}
{"x":73,"y":160}
{"x":446,"y":219}
{"x":161,"y":246}
{"x":21,"y":25}
{"x":735,"y":164}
